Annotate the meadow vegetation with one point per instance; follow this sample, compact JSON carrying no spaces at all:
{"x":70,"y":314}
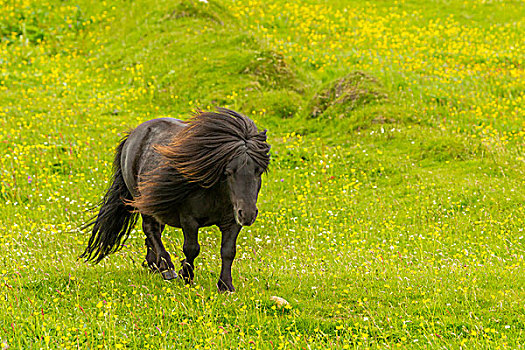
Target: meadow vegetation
{"x":393,"y":212}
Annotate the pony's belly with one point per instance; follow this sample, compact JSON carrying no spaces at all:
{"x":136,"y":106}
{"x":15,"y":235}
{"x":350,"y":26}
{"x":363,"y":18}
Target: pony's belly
{"x":171,"y":220}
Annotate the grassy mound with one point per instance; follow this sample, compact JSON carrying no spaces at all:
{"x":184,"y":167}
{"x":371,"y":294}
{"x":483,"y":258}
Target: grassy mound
{"x":270,"y":70}
{"x":208,"y":10}
{"x":340,"y":97}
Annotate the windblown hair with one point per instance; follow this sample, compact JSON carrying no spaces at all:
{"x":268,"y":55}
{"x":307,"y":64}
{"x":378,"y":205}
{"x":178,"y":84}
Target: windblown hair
{"x":197,"y":157}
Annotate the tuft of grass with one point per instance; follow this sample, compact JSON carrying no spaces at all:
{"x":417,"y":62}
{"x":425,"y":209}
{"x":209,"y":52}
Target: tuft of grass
{"x":446,"y":148}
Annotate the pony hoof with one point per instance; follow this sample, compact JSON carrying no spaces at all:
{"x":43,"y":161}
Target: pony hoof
{"x":150,"y":266}
{"x":187,"y":279}
{"x":224,"y":288}
{"x":169,"y":275}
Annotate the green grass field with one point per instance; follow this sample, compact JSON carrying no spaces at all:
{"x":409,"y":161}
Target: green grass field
{"x":393,"y":212}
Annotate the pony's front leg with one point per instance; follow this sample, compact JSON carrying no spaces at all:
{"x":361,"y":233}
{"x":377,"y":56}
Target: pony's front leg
{"x":191,"y":247}
{"x":228,"y":251}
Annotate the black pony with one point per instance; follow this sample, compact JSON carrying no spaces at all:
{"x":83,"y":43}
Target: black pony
{"x":203,"y":172}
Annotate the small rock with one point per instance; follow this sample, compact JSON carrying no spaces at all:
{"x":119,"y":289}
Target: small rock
{"x":279,"y":301}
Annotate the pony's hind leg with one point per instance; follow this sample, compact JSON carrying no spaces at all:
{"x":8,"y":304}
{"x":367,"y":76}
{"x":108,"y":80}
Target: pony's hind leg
{"x":191,"y":248}
{"x":151,"y":258}
{"x":157,"y":258}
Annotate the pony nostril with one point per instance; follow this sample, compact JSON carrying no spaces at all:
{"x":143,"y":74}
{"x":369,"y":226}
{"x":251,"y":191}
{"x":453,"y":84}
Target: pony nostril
{"x":239,"y":213}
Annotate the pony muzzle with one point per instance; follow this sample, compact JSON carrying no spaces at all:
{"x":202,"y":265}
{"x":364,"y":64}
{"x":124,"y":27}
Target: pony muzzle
{"x":246,"y":217}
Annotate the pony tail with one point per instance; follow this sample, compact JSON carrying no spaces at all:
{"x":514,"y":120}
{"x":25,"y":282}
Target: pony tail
{"x":116,"y":218}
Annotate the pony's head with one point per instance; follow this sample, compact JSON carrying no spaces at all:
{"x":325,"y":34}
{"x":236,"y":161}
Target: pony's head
{"x":243,"y":177}
{"x":244,"y":171}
